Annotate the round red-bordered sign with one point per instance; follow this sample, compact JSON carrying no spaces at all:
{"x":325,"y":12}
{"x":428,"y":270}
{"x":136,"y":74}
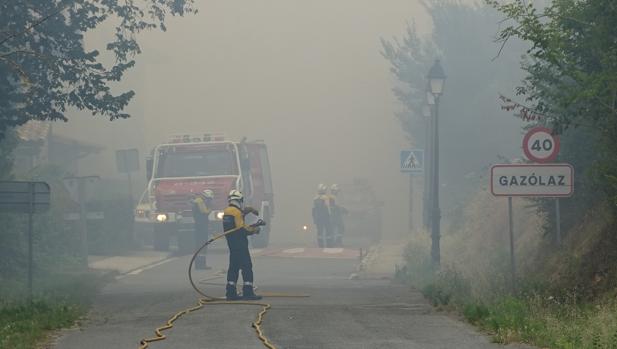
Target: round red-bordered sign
{"x":540,"y":145}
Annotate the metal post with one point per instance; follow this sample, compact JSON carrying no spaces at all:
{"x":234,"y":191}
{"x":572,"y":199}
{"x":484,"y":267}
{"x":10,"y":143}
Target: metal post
{"x":512,"y":260}
{"x":411,"y":220}
{"x":428,"y":171}
{"x":435,"y":214}
{"x":83,"y":219}
{"x":30,"y":242}
{"x":128,"y":174}
{"x":558,"y":221}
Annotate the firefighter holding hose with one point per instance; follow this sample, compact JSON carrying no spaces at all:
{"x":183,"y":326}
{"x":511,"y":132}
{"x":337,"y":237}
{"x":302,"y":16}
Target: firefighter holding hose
{"x":238,"y":244}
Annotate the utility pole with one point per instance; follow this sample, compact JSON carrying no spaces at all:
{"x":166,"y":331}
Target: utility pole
{"x":436,"y":81}
{"x":411,"y":205}
{"x":435,"y":211}
{"x":79,"y":195}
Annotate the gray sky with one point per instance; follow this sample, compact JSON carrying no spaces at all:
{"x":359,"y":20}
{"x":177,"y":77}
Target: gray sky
{"x":305,"y":76}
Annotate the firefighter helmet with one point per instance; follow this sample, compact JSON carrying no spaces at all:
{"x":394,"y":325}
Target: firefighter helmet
{"x":334,"y":189}
{"x":322,"y":188}
{"x":208,"y":194}
{"x":235,"y":195}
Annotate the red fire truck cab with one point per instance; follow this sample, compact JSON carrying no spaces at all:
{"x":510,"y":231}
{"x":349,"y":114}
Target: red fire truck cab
{"x":187,"y":165}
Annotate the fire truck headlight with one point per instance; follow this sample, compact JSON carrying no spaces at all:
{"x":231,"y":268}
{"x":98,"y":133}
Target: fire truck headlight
{"x":219,"y":215}
{"x":304,"y":227}
{"x":161,"y":217}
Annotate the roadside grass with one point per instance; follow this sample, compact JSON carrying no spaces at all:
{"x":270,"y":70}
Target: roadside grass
{"x":61,"y":300}
{"x":548,"y":324}
{"x":534,"y":317}
{"x":23,"y":326}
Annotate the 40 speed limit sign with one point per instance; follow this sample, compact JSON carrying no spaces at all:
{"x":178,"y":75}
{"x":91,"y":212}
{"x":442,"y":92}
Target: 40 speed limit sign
{"x":540,"y":145}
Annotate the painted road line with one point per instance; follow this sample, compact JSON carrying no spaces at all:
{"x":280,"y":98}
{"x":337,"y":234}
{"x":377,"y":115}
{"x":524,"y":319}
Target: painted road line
{"x":148,"y":267}
{"x":294,"y":250}
{"x":333,"y":250}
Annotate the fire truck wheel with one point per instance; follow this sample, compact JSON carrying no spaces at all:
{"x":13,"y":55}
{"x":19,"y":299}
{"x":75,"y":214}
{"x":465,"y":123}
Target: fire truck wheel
{"x":160,"y":238}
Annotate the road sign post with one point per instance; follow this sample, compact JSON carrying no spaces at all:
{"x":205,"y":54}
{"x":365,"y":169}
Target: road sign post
{"x":127,"y":161}
{"x":531,"y":180}
{"x":30,"y":198}
{"x":77,"y":188}
{"x":412,"y":162}
{"x":512,"y":254}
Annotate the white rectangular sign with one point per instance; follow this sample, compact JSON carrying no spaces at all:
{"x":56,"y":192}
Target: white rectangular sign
{"x":547,"y":180}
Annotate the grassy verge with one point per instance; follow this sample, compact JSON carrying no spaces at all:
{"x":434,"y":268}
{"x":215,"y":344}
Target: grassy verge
{"x":547,"y":323}
{"x":558,"y":321}
{"x":64,"y":300}
{"x":23,"y":326}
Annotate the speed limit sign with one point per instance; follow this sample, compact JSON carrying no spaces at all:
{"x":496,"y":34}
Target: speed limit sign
{"x":540,"y":145}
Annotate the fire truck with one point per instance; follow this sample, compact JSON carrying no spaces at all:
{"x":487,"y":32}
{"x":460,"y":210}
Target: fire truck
{"x":188,"y":164}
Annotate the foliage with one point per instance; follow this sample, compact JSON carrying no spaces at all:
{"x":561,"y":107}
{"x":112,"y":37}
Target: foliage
{"x":66,"y":297}
{"x":45,"y":68}
{"x":572,"y":70}
{"x":23,"y":326}
{"x":470,"y":118}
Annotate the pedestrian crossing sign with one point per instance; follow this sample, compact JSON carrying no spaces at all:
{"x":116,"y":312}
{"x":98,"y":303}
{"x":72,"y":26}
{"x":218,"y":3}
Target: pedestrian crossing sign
{"x":412,"y":161}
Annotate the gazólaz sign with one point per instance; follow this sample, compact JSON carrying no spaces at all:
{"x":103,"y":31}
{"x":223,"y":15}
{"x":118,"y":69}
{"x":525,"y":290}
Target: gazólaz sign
{"x":533,"y":180}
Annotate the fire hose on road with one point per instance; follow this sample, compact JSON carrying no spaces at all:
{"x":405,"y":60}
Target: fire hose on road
{"x":210,"y":300}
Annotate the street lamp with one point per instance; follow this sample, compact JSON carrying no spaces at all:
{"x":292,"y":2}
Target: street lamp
{"x":436,"y":82}
{"x":428,"y":161}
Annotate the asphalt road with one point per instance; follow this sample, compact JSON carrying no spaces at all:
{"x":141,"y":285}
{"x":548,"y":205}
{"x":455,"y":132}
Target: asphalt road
{"x":340,"y":312}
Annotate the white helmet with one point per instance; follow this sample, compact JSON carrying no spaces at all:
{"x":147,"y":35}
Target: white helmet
{"x":235,"y":195}
{"x":208,"y":194}
{"x":322,"y":188}
{"x":334,"y":188}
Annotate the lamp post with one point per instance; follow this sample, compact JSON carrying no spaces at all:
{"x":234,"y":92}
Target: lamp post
{"x":436,"y":81}
{"x":428,"y":168}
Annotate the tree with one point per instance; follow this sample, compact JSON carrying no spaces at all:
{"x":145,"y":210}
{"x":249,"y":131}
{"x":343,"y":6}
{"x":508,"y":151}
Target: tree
{"x":44,"y":67}
{"x":572,"y":72}
{"x":473,"y":131}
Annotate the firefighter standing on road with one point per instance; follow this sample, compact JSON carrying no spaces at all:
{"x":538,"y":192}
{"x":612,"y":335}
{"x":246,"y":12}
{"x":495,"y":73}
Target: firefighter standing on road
{"x":336,"y":216}
{"x":238,"y":243}
{"x":321,"y":217}
{"x":202,"y":206}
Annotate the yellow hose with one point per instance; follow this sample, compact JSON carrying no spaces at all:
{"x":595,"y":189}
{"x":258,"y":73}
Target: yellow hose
{"x":209,"y":300}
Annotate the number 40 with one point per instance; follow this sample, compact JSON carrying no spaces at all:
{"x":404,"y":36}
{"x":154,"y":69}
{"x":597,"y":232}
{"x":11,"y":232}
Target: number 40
{"x":546,"y":145}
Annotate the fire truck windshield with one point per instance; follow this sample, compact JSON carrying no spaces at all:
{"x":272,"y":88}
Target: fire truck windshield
{"x":196,"y":164}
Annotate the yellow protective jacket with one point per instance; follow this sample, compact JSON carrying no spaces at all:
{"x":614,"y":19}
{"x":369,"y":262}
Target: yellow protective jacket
{"x":233,"y":218}
{"x":200,"y":211}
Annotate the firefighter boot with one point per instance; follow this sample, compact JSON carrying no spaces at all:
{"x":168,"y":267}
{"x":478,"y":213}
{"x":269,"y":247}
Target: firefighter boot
{"x":248,"y":294}
{"x":231,"y":293}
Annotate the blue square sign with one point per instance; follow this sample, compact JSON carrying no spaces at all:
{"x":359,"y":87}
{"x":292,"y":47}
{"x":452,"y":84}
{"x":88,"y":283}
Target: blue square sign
{"x":412,"y":160}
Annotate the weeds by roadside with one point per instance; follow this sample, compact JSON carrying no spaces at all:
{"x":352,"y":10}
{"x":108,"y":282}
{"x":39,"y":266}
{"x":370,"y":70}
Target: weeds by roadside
{"x":536,"y":317}
{"x":61,"y":300}
{"x":23,"y":326}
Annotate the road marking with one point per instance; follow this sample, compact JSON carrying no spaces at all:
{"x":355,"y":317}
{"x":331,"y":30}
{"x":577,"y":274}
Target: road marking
{"x":294,"y":250}
{"x":140,"y":270}
{"x":332,"y":250}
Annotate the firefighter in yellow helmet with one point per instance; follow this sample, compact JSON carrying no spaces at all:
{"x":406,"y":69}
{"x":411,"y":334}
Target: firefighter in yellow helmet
{"x":238,"y":244}
{"x":202,"y":206}
{"x":336,"y":216}
{"x":321,"y":217}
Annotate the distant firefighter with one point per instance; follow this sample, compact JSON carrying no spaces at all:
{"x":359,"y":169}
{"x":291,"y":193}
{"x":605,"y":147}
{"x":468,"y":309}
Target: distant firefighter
{"x":202,"y":206}
{"x":336,"y":216}
{"x":321,"y":217}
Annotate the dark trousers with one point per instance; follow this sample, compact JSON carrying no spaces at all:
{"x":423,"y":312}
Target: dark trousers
{"x":239,"y":259}
{"x":324,"y":235}
{"x":202,"y":234}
